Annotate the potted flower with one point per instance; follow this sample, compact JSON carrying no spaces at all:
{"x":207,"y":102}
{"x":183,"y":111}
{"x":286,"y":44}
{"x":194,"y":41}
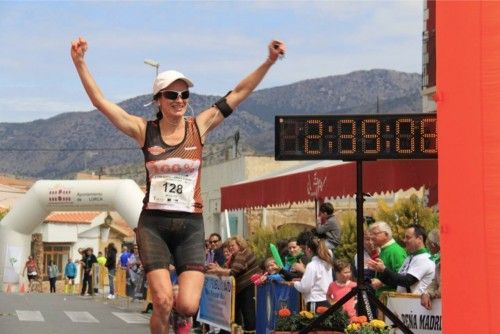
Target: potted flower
{"x":335,"y":321}
{"x":288,"y":322}
{"x":361,"y":325}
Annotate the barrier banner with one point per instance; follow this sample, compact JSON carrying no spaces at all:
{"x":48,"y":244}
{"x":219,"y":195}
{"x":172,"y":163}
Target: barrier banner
{"x":417,"y":318}
{"x":217,"y":301}
{"x":121,"y":282}
{"x":270,"y":298}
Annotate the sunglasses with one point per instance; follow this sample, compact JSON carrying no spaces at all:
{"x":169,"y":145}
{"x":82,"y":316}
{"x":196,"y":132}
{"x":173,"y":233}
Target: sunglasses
{"x":173,"y":95}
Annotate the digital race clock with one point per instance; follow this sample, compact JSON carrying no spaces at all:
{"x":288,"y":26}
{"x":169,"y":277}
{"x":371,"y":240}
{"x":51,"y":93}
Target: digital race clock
{"x":356,"y":137}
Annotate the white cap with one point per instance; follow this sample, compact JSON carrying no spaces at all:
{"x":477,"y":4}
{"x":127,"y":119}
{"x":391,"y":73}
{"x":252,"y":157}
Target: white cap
{"x":164,"y":79}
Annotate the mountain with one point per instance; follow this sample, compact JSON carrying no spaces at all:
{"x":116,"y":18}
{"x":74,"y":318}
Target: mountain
{"x":70,"y":142}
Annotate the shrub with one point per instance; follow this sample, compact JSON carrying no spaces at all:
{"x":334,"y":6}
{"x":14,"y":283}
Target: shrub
{"x":263,"y":236}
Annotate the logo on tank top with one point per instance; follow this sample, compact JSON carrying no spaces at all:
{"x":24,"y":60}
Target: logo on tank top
{"x":156,"y":150}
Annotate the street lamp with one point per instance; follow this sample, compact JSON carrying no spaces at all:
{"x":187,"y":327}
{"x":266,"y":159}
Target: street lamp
{"x":153,"y":63}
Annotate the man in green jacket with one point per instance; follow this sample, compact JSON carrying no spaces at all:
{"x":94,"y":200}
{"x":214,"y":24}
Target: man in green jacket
{"x":391,"y":253}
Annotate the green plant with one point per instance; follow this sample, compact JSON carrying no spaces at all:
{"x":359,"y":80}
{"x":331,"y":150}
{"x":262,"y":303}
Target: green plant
{"x":288,"y":322}
{"x":334,"y":321}
{"x":263,"y":236}
{"x":404,"y":212}
{"x":347,"y":247}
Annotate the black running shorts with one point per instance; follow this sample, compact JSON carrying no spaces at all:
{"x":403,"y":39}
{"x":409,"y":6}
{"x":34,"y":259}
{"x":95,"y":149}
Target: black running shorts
{"x":176,"y":238}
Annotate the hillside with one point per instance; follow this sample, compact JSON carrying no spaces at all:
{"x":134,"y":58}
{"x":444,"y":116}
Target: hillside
{"x":70,"y":142}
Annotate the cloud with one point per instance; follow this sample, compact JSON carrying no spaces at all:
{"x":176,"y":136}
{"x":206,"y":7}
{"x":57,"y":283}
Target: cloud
{"x":217,"y":43}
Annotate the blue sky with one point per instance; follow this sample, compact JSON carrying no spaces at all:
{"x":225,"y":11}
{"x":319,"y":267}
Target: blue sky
{"x":215,"y":43}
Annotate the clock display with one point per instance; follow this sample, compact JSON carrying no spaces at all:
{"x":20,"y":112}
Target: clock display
{"x":356,"y":137}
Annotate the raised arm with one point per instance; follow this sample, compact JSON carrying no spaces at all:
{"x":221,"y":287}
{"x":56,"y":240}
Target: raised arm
{"x":212,"y":117}
{"x":131,"y":125}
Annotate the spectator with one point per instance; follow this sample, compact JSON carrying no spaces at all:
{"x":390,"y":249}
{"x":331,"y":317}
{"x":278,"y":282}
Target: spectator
{"x":227,"y":254}
{"x":87,"y":262}
{"x":101,"y":260}
{"x":243,"y":265}
{"x":52,"y":272}
{"x":111,"y":266}
{"x":271,"y":273}
{"x":434,"y":289}
{"x":417,"y":271}
{"x":70,"y":274}
{"x":124,"y":257}
{"x":302,"y":240}
{"x":370,"y":252}
{"x":214,"y":252}
{"x":134,"y":273}
{"x":317,"y":276}
{"x":342,"y":286}
{"x":295,"y":256}
{"x":282,"y":246}
{"x":391,"y":253}
{"x":327,"y":226}
{"x":32,"y":271}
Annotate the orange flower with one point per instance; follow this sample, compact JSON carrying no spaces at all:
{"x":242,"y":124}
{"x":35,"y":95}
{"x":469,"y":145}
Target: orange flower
{"x":359,"y":320}
{"x":284,"y":312}
{"x":321,"y":309}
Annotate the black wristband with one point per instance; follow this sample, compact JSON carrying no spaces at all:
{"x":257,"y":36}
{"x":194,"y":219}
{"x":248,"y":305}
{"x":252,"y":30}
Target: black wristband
{"x":223,"y":107}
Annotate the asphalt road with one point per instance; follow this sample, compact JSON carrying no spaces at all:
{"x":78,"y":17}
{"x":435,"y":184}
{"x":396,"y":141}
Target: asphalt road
{"x":69,"y":314}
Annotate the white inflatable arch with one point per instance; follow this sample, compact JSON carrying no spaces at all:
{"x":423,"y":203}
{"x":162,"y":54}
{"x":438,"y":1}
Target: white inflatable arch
{"x":123,"y":196}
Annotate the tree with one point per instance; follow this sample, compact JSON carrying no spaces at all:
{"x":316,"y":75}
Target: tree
{"x":405,"y":212}
{"x":347,"y":248}
{"x":263,"y":236}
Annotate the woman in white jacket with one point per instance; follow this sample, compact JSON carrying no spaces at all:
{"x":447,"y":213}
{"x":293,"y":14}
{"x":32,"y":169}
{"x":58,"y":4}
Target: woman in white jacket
{"x":317,"y":276}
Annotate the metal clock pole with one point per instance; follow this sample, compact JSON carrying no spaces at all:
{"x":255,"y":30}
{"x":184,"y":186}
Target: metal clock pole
{"x":363,"y":291}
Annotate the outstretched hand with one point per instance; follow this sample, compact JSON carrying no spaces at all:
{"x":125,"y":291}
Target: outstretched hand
{"x":78,"y":48}
{"x":277,"y":50}
{"x":376,"y":265}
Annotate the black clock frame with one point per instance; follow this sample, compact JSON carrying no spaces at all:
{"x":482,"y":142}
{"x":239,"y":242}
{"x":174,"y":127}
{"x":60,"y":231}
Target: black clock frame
{"x":356,"y":137}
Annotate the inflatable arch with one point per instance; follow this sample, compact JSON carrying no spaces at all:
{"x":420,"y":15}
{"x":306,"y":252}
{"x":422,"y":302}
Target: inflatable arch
{"x":123,"y":196}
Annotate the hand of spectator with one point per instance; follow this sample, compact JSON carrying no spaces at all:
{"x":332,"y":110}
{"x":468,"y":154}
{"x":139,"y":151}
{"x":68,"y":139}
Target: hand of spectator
{"x":425,"y":301}
{"x":377,"y":265}
{"x":376,"y":283}
{"x":298,"y":267}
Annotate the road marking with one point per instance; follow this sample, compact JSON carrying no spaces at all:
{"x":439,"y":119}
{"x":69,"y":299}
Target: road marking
{"x":81,"y":316}
{"x":29,"y":315}
{"x":132,"y":318}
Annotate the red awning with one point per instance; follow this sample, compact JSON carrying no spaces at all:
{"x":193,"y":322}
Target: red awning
{"x":332,"y":181}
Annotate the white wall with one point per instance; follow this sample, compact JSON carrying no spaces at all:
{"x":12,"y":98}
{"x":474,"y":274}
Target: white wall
{"x":214,"y":177}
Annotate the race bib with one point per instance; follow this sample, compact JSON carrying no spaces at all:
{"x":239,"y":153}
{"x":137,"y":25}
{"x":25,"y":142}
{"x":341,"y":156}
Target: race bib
{"x":174,"y":190}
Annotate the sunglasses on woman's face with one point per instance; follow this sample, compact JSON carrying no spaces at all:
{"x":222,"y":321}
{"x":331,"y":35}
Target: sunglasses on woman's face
{"x":173,"y":95}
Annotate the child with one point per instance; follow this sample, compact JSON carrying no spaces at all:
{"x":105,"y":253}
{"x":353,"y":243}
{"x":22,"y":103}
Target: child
{"x":342,"y":286}
{"x":271,"y":273}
